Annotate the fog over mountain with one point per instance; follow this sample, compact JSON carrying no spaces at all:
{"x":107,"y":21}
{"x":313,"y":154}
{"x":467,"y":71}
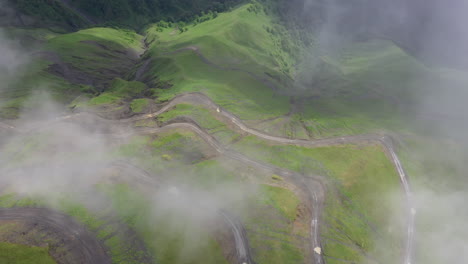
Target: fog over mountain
{"x":432,"y":142}
{"x":432,"y":30}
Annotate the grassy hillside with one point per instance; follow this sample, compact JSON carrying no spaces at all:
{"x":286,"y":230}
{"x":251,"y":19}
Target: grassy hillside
{"x":248,"y":63}
{"x":19,"y":254}
{"x":241,"y":54}
{"x":357,"y":217}
{"x":173,"y":235}
{"x":81,"y":64}
{"x":226,"y":41}
{"x":367,"y":86}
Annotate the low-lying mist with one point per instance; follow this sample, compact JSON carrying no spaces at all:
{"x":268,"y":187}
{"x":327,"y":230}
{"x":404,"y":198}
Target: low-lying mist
{"x":54,"y":160}
{"x":435,"y":34}
{"x":12,"y":59}
{"x":46,"y":157}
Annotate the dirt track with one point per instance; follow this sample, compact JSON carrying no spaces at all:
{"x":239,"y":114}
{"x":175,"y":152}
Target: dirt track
{"x":82,"y":244}
{"x":236,"y":227}
{"x":315,"y":187}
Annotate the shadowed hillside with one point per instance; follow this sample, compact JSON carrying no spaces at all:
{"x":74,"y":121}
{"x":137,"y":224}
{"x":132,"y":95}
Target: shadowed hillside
{"x":434,"y":31}
{"x":75,"y":14}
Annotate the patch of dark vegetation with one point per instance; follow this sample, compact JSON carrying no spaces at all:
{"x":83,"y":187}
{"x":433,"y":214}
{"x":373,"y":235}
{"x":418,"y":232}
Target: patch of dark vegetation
{"x":128,"y":52}
{"x":43,"y":13}
{"x":118,"y":63}
{"x":76,"y":14}
{"x":70,"y":73}
{"x":140,"y":74}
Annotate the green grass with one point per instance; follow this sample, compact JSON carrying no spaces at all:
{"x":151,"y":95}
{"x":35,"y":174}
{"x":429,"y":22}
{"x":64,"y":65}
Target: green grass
{"x":184,"y":148}
{"x":121,"y":250}
{"x":238,"y":39}
{"x":356,"y":211}
{"x":204,"y":118}
{"x":282,"y":199}
{"x":138,"y":105}
{"x":21,"y":254}
{"x":127,"y":88}
{"x":278,"y":251}
{"x":200,"y":114}
{"x":114,"y":38}
{"x":99,"y":53}
{"x":235,"y":91}
{"x":250,"y":41}
{"x":71,"y":203}
{"x":80,"y":213}
{"x":269,"y":221}
{"x":146,"y":123}
{"x":22,"y":94}
{"x":120,"y":91}
{"x":164,"y":235}
{"x":372,"y":86}
{"x":270,"y":227}
{"x":359,"y":97}
{"x":105,"y":98}
{"x":380,"y":88}
{"x":372,"y":75}
{"x":359,"y":93}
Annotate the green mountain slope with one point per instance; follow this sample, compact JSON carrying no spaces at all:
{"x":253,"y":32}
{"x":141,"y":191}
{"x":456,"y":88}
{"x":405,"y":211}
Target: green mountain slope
{"x":200,"y":72}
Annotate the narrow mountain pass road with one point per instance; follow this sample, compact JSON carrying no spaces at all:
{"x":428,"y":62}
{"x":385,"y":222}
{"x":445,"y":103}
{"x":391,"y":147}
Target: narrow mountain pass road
{"x":233,"y":121}
{"x":383,"y":140}
{"x":241,"y":241}
{"x":315,"y":191}
{"x":357,"y":139}
{"x":410,"y":209}
{"x":150,"y":182}
{"x":244,"y":256}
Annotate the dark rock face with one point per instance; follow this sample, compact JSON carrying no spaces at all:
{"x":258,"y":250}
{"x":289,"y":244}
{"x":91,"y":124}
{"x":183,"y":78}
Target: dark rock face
{"x":434,"y":31}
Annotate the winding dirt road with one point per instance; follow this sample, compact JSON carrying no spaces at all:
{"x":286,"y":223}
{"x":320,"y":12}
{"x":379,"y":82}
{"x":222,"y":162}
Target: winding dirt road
{"x":241,"y":241}
{"x":244,"y":256}
{"x":74,"y":235}
{"x":240,"y":238}
{"x":384,"y":140}
{"x":315,"y":190}
{"x":230,"y":119}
